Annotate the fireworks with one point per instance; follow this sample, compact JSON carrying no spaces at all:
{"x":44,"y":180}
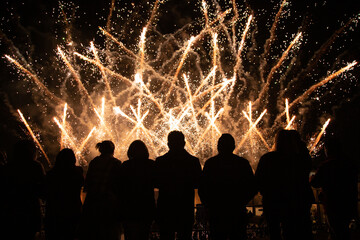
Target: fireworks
{"x":124,"y":92}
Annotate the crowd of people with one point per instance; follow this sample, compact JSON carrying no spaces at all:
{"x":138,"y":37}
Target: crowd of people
{"x":123,"y":193}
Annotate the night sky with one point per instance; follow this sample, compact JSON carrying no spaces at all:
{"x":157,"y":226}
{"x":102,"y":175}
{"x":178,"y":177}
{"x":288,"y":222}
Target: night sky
{"x":35,"y":28}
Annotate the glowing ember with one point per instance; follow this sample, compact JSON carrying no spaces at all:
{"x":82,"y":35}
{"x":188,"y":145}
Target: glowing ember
{"x":124,"y":92}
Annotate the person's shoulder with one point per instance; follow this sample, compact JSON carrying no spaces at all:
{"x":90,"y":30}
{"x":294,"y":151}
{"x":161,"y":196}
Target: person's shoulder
{"x":192,"y":157}
{"x":212,"y":160}
{"x":270,"y":155}
{"x":150,"y":162}
{"x":162,"y":157}
{"x":116,"y":162}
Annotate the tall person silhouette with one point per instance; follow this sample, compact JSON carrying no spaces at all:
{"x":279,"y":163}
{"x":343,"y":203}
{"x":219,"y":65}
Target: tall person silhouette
{"x":337,"y":178}
{"x":138,"y":202}
{"x":100,"y":211}
{"x":178,"y":174}
{"x":63,"y":204}
{"x":227,"y":185}
{"x":24,"y":186}
{"x":282,"y":177}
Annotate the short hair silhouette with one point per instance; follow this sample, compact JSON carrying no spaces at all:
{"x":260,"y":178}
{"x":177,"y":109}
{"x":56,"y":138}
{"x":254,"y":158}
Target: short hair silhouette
{"x":284,"y":141}
{"x":25,"y":150}
{"x":65,"y":159}
{"x":176,"y":140}
{"x":226,"y":143}
{"x":106,"y":147}
{"x":138,"y":150}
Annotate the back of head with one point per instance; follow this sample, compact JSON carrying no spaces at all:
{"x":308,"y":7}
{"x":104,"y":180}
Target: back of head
{"x":106,"y":147}
{"x":138,"y":150}
{"x":176,"y":140}
{"x":284,"y":142}
{"x":24,"y":150}
{"x":65,"y":159}
{"x":298,"y":145}
{"x":226,"y":143}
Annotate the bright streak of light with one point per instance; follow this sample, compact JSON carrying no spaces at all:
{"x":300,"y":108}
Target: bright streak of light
{"x":33,"y":136}
{"x":215,"y":48}
{"x":76,"y":76}
{"x":142,"y":48}
{"x":242,"y":43}
{"x":288,"y":126}
{"x":256,"y":130}
{"x":320,"y":135}
{"x":86,"y":140}
{"x":64,"y":124}
{"x":102,"y":70}
{"x":190,"y":42}
{"x":287,"y":110}
{"x":214,"y":96}
{"x":249,"y":131}
{"x":273,"y":69}
{"x":62,"y":128}
{"x":323,"y":82}
{"x":103,"y":123}
{"x":205,"y":10}
{"x":34,"y":77}
{"x":210,"y":125}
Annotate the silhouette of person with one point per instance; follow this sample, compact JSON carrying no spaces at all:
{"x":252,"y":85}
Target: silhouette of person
{"x":100,"y":210}
{"x":138,"y":202}
{"x":24,"y":180}
{"x":227,"y":185}
{"x":287,"y":197}
{"x":337,"y":178}
{"x":303,"y":196}
{"x":178,"y":174}
{"x":63,"y":204}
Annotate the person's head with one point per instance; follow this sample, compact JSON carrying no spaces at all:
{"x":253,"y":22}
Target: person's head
{"x":106,"y":147}
{"x":176,"y":140}
{"x":284,"y":141}
{"x":25,"y":150}
{"x":138,"y":150}
{"x":226,"y":143}
{"x":65,"y":159}
{"x":298,"y":144}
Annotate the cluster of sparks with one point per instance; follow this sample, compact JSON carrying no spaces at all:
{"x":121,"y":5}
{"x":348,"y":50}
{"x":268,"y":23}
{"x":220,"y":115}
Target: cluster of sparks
{"x":199,"y":108}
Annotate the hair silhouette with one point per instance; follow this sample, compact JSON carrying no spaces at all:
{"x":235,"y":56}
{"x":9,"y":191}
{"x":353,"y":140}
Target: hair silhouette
{"x":24,"y":150}
{"x":226,"y":143}
{"x":106,"y":147}
{"x":65,"y":159}
{"x":176,"y":140}
{"x":138,"y":150}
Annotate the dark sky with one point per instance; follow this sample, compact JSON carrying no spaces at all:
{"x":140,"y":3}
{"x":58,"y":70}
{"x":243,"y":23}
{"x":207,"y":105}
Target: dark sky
{"x":33,"y":26}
